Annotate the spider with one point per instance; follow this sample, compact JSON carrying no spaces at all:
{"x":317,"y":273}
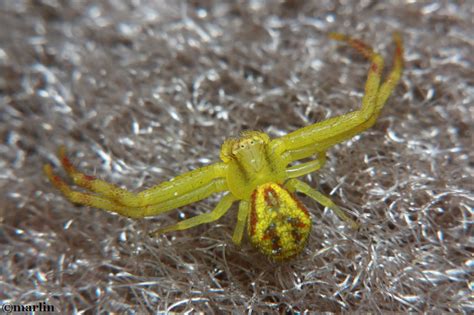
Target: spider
{"x":254,"y":169}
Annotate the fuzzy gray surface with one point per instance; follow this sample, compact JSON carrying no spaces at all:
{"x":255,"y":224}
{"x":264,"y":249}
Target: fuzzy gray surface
{"x":140,"y":91}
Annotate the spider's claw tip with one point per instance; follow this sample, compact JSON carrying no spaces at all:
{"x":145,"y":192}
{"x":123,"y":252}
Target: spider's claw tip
{"x":355,"y":226}
{"x":62,"y":151}
{"x":48,"y":170}
{"x":66,"y":163}
{"x":155,"y":233}
{"x":55,"y":179}
{"x":397,"y":36}
{"x":236,"y":242}
{"x":337,"y":36}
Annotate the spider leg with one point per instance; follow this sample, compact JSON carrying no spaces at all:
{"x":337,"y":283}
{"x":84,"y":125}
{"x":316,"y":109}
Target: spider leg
{"x":178,"y":186}
{"x":222,"y":207}
{"x":300,"y":153}
{"x":297,"y":185}
{"x":327,"y":133}
{"x":395,"y":73}
{"x":306,"y":168}
{"x":101,"y":202}
{"x":244,"y":209}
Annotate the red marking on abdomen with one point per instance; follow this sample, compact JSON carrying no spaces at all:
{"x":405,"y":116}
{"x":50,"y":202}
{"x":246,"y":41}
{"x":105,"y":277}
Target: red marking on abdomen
{"x":300,"y":205}
{"x":253,"y":214}
{"x":268,"y":199}
{"x":276,"y":245}
{"x":300,"y":224}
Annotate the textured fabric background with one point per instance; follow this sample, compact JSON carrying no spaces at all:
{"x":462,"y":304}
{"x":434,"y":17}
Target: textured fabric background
{"x":141,"y":90}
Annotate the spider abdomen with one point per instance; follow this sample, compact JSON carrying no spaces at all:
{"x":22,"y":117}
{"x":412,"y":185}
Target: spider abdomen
{"x":279,"y":225}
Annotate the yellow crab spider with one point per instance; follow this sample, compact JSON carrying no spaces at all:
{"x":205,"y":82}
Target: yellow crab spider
{"x":254,"y":169}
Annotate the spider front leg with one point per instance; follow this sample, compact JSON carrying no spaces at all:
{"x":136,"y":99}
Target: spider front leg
{"x":325,"y":134}
{"x":185,"y":189}
{"x":296,"y":185}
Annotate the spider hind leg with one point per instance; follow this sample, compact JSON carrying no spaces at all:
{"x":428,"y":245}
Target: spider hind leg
{"x":297,"y":185}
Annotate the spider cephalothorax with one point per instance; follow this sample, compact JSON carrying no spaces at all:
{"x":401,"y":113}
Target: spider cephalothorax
{"x":255,"y":170}
{"x":250,"y":162}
